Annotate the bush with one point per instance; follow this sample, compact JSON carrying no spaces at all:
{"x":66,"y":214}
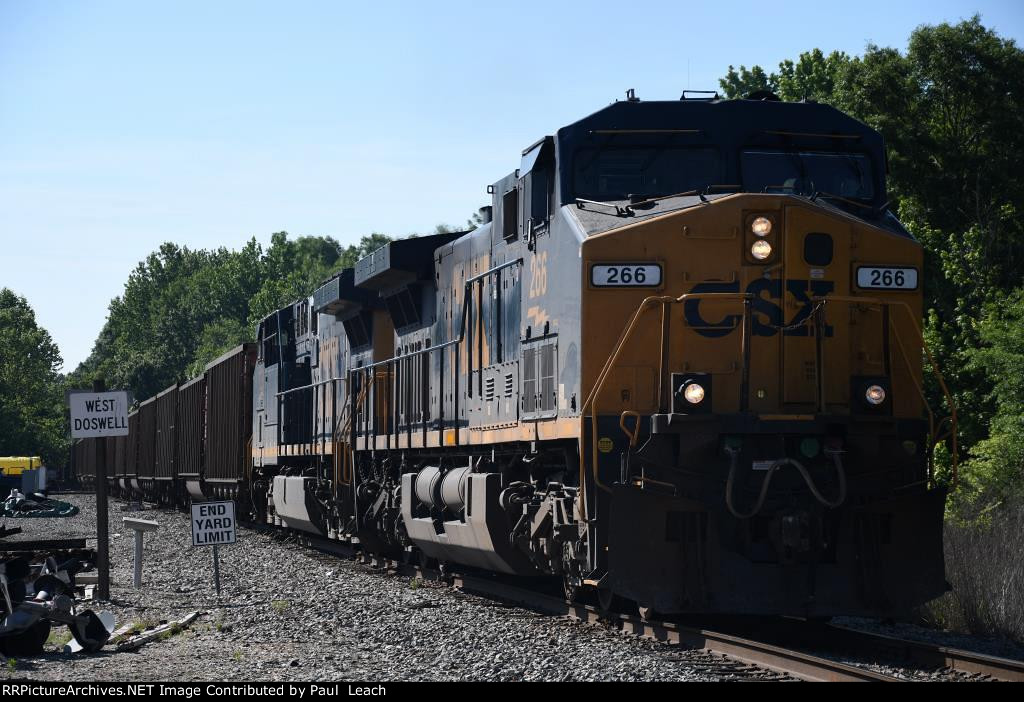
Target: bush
{"x":985,"y":568}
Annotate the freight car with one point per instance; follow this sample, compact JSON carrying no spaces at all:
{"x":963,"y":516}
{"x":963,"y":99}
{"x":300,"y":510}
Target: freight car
{"x":678,"y":366}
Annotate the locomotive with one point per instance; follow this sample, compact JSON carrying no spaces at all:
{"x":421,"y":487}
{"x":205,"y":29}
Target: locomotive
{"x":677,"y":366}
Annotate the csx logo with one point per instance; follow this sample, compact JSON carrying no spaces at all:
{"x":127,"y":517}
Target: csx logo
{"x":767,"y":318}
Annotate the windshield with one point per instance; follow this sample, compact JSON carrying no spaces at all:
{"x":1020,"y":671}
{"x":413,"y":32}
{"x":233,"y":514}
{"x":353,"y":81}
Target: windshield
{"x":806,"y":173}
{"x":619,"y":172}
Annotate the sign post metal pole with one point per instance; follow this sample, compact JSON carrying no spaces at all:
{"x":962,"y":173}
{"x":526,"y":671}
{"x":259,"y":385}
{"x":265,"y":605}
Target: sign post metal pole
{"x":216,"y":569}
{"x":102,"y":527}
{"x":137,"y":580}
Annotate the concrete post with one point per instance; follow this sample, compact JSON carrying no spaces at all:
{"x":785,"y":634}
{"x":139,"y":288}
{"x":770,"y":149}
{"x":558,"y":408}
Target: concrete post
{"x":139,"y":526}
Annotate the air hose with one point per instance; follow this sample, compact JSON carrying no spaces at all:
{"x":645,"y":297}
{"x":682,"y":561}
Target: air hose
{"x":734,"y":456}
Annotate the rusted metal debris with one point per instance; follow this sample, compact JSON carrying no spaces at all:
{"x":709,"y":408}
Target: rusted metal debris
{"x":34,"y":597}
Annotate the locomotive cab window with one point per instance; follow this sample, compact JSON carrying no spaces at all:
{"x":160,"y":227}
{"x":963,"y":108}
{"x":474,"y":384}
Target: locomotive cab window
{"x":510,"y":214}
{"x":537,"y":185}
{"x":620,"y":172}
{"x":806,"y":173}
{"x":536,"y":179}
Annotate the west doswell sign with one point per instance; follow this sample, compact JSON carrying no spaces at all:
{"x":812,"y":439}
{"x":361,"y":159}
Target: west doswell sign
{"x":97,"y":414}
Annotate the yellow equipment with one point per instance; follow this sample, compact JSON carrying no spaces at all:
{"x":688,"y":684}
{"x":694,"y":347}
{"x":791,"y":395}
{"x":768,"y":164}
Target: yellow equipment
{"x":13,"y":466}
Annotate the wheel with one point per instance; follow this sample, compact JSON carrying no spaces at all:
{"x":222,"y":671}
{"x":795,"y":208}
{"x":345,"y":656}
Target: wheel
{"x":571,"y":587}
{"x":425,"y":562}
{"x":572,"y":579}
{"x":648,"y":614}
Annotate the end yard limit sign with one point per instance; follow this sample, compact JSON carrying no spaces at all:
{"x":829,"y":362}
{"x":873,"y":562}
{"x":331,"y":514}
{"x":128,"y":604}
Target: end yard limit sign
{"x":213,"y":524}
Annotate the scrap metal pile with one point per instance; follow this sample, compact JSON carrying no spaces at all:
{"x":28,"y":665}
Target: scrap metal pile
{"x":35,"y":596}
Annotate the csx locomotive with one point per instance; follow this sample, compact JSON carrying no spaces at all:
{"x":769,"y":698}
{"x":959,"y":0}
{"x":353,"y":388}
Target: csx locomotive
{"x":679,"y":365}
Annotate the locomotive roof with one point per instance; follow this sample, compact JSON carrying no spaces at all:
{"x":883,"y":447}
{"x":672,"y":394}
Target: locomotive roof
{"x":723,"y":121}
{"x":731,"y":126}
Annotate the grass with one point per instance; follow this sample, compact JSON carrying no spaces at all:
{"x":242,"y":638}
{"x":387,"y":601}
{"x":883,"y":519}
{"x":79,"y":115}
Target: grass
{"x":415,"y":583}
{"x":279,"y":606}
{"x":137,"y":627}
{"x":237,"y":655}
{"x":12,"y":664}
{"x":173,"y":631}
{"x":58,"y":637}
{"x":141,"y":625}
{"x":985,"y":569}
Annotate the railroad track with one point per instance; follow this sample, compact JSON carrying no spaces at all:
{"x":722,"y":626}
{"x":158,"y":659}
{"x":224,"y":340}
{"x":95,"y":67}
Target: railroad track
{"x":762,"y":655}
{"x":931,"y":656}
{"x":778,"y":650}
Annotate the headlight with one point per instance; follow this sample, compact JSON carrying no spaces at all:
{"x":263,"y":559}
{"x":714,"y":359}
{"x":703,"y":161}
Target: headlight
{"x":761,"y":250}
{"x":875,"y":395}
{"x":694,"y":393}
{"x":762,"y":226}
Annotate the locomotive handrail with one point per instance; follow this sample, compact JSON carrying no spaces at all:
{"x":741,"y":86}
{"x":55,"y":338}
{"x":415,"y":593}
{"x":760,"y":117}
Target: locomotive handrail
{"x":935,"y":368}
{"x":466,"y":302}
{"x":602,"y":377}
{"x":308,"y":387}
{"x":343,"y":427}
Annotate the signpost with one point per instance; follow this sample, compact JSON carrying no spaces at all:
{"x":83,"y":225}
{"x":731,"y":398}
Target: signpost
{"x":213,"y":524}
{"x":99,"y":414}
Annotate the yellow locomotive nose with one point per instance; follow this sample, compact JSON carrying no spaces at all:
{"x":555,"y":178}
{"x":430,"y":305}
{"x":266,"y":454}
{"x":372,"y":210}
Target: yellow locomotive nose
{"x":774,"y":311}
{"x":774,"y":354}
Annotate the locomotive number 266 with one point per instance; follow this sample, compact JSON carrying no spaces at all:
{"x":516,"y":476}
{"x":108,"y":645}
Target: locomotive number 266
{"x":645,"y":275}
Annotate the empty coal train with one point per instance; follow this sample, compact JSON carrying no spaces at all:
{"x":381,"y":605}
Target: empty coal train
{"x":679,"y":365}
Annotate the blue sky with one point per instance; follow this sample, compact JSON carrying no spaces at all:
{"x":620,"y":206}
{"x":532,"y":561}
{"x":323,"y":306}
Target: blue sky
{"x":126,"y":124}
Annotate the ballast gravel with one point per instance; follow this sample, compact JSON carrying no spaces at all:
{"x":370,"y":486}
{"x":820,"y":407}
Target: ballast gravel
{"x":287,"y":613}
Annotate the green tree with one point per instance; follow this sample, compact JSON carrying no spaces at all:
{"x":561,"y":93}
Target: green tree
{"x":291,"y":269}
{"x":739,"y":84}
{"x":812,"y":76}
{"x":996,"y":469}
{"x":217,"y":337}
{"x":32,"y":417}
